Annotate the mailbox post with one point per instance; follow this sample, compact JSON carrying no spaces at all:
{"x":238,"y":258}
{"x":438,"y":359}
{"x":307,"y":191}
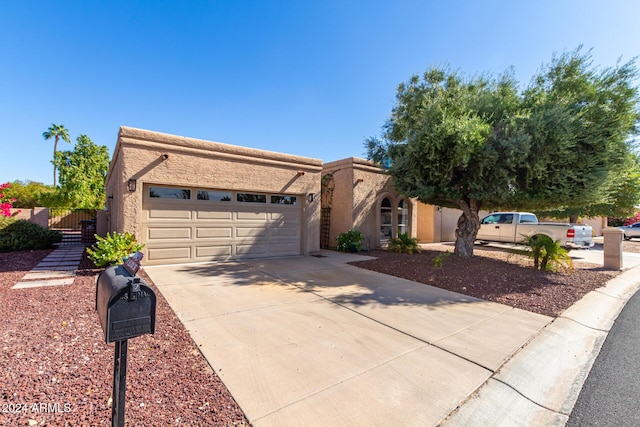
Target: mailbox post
{"x":127,"y":308}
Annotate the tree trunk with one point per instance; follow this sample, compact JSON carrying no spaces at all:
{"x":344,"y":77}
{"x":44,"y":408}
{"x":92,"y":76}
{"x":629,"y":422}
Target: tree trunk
{"x":573,"y":219}
{"x":468,"y":226}
{"x":55,"y":148}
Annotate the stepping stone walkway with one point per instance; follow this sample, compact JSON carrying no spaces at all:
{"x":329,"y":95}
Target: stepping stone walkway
{"x":56,"y":269}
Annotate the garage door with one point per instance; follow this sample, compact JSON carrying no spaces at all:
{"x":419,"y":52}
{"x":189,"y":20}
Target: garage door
{"x":193,"y":225}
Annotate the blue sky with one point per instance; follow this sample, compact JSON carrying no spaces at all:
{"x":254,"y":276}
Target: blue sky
{"x":312,"y":78}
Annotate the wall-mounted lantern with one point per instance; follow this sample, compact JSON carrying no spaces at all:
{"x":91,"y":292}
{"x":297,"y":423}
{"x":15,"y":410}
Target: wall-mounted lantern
{"x":132,"y":184}
{"x":310,"y":197}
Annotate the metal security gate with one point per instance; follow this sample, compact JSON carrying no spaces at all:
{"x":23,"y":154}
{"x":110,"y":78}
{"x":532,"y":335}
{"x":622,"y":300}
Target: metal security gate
{"x":325,"y":227}
{"x":76,"y":225}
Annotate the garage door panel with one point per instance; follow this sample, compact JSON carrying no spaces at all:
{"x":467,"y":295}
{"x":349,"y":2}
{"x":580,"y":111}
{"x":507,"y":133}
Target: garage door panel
{"x":285,"y":248}
{"x":252,"y":249}
{"x":248,"y":231}
{"x":180,"y":214}
{"x":285,"y":231}
{"x":214,"y":251}
{"x":252,"y":216}
{"x":214,"y":232}
{"x":172,"y":253}
{"x":289,"y":216}
{"x":168,"y":233}
{"x":190,"y":230}
{"x":217,"y":215}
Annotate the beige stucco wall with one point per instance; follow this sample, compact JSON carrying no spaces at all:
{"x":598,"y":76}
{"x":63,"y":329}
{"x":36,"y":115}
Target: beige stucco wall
{"x":426,"y":218}
{"x":341,"y":202}
{"x":198,"y":163}
{"x":360,"y":186}
{"x":438,"y":224}
{"x":449,"y":224}
{"x":101,"y":223}
{"x":38,"y":216}
{"x":598,"y":224}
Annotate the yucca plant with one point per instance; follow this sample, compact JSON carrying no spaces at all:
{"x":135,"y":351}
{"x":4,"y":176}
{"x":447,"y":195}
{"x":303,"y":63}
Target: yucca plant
{"x":404,"y":244}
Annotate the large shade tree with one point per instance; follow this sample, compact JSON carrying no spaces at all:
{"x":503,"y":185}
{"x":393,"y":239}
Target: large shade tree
{"x":82,"y":174}
{"x":482,"y":143}
{"x":620,"y":195}
{"x":30,"y":194}
{"x":56,"y":132}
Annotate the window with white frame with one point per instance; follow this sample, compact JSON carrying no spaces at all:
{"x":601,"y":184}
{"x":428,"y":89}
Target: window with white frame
{"x":386,"y":220}
{"x":403,"y":216}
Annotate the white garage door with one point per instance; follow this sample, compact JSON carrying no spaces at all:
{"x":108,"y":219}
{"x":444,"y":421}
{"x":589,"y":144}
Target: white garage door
{"x":192,"y":225}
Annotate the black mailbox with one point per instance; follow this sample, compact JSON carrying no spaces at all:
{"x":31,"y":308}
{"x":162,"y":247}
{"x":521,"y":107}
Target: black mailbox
{"x":126,"y":305}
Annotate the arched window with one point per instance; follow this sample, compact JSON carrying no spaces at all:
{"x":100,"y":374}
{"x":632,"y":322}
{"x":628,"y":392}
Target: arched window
{"x":403,"y":216}
{"x":386,"y":220}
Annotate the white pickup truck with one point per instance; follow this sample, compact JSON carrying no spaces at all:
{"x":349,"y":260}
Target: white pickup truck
{"x":514,"y":227}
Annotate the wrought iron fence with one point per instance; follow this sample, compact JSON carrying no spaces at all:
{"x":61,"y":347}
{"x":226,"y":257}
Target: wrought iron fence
{"x":77,"y":225}
{"x":69,"y":219}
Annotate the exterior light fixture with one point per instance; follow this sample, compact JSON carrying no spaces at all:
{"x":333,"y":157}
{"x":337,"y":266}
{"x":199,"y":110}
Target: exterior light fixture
{"x":300,"y":173}
{"x":359,"y":180}
{"x":310,"y":197}
{"x":132,"y":184}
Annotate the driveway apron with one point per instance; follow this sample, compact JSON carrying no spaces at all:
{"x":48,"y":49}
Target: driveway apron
{"x":316,"y":342}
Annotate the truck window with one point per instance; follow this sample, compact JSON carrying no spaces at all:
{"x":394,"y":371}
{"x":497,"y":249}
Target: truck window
{"x":528,"y":219}
{"x":506,"y":219}
{"x":491,"y":219}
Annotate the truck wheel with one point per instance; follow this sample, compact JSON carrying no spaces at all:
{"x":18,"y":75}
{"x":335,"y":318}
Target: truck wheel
{"x":626,"y":237}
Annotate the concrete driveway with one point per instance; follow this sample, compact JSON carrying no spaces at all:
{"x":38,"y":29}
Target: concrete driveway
{"x":316,"y":342}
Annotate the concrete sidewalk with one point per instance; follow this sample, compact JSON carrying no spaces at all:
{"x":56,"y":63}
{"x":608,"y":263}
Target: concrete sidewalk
{"x":56,"y":269}
{"x":316,"y":342}
{"x":541,"y":383}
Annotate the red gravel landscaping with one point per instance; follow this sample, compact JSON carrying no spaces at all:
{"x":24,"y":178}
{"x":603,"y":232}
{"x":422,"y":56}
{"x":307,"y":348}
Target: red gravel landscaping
{"x":494,"y":275}
{"x":56,"y":369}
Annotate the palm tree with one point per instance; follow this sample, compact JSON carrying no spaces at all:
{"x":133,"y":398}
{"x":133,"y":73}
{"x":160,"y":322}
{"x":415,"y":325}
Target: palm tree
{"x":56,"y":131}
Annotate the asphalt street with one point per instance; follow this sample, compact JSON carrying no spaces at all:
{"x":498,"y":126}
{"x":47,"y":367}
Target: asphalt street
{"x":609,"y":396}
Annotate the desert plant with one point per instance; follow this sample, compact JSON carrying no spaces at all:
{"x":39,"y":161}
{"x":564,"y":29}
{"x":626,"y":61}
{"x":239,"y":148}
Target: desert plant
{"x":20,"y":235}
{"x":404,"y":244}
{"x":349,"y":241}
{"x":111,"y":249}
{"x":5,"y":200}
{"x":438,"y":261}
{"x":547,"y":255}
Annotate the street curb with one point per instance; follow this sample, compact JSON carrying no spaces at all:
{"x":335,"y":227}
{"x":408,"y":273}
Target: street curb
{"x":541,"y":382}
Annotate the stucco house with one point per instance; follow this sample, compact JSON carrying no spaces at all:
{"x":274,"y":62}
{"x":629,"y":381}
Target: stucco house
{"x":357,"y":194}
{"x":190,"y":200}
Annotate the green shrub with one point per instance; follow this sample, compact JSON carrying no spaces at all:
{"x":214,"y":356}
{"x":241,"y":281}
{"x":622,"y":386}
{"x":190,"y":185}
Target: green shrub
{"x":111,"y":249}
{"x":404,"y":244}
{"x":438,"y":261}
{"x":20,"y":235}
{"x":349,"y":241}
{"x":5,"y":221}
{"x":547,"y":255}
